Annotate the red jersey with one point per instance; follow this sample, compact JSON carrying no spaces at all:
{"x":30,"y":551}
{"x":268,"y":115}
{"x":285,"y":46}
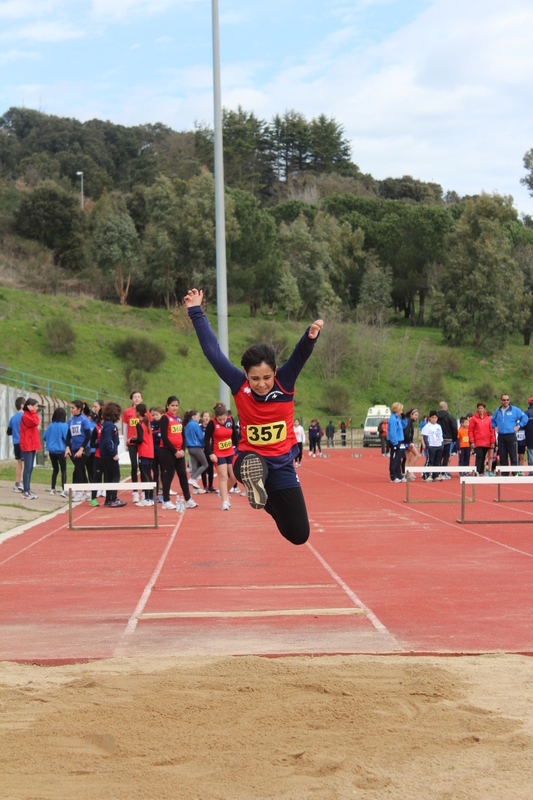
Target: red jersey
{"x":98,"y":432}
{"x":131,"y":418}
{"x":175,"y":431}
{"x":266,"y":428}
{"x":222,"y":442}
{"x":146,"y":448}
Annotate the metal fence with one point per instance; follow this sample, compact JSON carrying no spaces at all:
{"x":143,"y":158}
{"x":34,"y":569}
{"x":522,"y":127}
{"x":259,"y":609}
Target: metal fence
{"x":50,"y":388}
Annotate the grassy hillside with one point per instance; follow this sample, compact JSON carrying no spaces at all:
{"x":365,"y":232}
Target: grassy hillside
{"x":400,"y":363}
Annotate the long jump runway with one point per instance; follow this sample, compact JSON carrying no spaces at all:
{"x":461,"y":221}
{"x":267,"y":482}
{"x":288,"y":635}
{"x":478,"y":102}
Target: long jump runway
{"x":377,"y":576}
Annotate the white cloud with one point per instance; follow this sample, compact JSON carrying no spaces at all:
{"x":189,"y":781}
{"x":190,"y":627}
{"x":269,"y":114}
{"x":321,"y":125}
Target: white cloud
{"x":17,"y":55}
{"x":20,"y":9}
{"x":56,"y":31}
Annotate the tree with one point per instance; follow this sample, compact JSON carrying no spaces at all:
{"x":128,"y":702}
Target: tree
{"x":528,"y":164}
{"x":375,"y":295}
{"x":481,"y":288}
{"x":254,"y":256}
{"x":329,"y":150}
{"x":52,"y":216}
{"x":115,"y":247}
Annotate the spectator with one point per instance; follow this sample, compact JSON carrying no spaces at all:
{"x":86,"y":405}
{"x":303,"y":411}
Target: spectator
{"x":507,"y":420}
{"x":435,"y":440}
{"x":330,"y":434}
{"x":314,"y":432}
{"x":382,"y":430}
{"x":300,"y":439}
{"x":529,"y":432}
{"x":481,"y":436}
{"x":411,"y":452}
{"x":30,"y":442}
{"x":343,"y":426}
{"x":449,"y":435}
{"x":464,"y":443}
{"x":13,"y":429}
{"x":395,"y":431}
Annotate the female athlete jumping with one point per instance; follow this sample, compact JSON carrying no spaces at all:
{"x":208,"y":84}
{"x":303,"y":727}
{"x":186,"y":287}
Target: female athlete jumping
{"x":264,"y":396}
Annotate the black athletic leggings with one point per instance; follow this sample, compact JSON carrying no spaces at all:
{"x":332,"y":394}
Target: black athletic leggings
{"x":98,"y":473}
{"x":208,"y":475}
{"x":313,"y":443}
{"x":169,"y":465}
{"x":80,"y":476}
{"x":132,"y":450}
{"x":286,"y":507}
{"x":58,"y":462}
{"x":145,"y":466}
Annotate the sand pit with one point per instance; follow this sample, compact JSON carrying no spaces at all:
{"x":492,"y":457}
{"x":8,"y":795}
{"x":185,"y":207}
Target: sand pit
{"x":331,"y":727}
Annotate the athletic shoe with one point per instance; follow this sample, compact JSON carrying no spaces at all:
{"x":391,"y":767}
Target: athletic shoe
{"x":314,"y":455}
{"x":428,"y":479}
{"x":447,"y":476}
{"x":172,"y":494}
{"x":168,"y":505}
{"x":253,"y":476}
{"x":52,"y":491}
{"x":64,"y":493}
{"x":403,"y":479}
{"x":143,"y":503}
{"x":225,"y":506}
{"x":438,"y":477}
{"x":135,"y":497}
{"x":412,"y":476}
{"x":149,"y":503}
{"x":87,"y":496}
{"x":215,"y":474}
{"x":100,"y":493}
{"x":117,"y":504}
{"x":198,"y":491}
{"x":396,"y":480}
{"x":191,"y":504}
{"x":244,"y":494}
{"x":76,"y":497}
{"x":234,"y":490}
{"x":29,"y":496}
{"x":211,"y":490}
{"x":94,"y":502}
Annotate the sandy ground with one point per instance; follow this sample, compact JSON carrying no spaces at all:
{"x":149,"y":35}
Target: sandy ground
{"x":329,"y":727}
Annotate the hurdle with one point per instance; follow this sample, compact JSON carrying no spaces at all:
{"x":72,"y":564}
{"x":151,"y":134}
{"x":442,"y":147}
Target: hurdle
{"x":438,"y":470}
{"x":496,"y":480}
{"x":111,"y":487}
{"x":499,"y":470}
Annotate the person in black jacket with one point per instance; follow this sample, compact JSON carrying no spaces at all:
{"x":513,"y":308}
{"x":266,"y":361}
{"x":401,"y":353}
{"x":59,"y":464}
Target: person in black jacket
{"x":529,"y":432}
{"x":449,"y":434}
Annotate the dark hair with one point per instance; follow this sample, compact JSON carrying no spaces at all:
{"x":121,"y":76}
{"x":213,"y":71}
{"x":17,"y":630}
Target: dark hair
{"x":112,"y":412}
{"x":59,"y":415}
{"x":410,"y":412}
{"x":171,"y":399}
{"x":19,"y":402}
{"x":142,"y":411}
{"x":188,"y":416}
{"x":259,"y":354}
{"x":77,"y":404}
{"x":159,"y":409}
{"x":87,"y":411}
{"x":481,"y":404}
{"x":463,"y":419}
{"x":433,"y":414}
{"x":101,"y":403}
{"x":135,"y":391}
{"x":219,"y":410}
{"x":30,"y":402}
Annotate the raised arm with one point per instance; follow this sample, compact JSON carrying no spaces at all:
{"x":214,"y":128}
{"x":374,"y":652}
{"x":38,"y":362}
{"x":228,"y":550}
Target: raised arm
{"x":230,"y":374}
{"x":288,"y":373}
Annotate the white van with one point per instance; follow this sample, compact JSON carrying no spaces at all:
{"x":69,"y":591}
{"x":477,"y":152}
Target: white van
{"x":374,"y":416}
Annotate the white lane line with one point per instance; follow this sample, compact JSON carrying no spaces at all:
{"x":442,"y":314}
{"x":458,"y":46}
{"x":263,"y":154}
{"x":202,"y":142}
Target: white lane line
{"x":461,"y":528}
{"x":139,"y":608}
{"x":41,"y":539}
{"x":280,"y":612}
{"x":378,"y":625}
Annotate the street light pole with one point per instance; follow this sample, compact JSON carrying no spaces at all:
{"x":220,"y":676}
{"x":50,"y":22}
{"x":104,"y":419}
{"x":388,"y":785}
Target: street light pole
{"x":222,"y":289}
{"x":81,"y":196}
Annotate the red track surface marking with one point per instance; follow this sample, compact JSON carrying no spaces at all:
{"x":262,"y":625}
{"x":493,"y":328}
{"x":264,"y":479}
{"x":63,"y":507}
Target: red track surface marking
{"x":378,"y":575}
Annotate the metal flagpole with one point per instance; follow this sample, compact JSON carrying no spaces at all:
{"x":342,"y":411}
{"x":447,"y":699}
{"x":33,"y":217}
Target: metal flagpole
{"x":222,"y":289}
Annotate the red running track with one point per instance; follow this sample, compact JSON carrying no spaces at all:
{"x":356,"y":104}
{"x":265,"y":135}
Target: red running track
{"x":377,"y":576}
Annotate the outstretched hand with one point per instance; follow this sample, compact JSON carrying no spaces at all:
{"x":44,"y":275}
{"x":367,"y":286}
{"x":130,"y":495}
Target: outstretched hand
{"x":193,"y":298}
{"x":315,"y":328}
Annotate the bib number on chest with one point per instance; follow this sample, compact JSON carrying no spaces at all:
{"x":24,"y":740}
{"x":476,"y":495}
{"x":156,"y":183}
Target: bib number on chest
{"x":175,"y":428}
{"x":266,"y":434}
{"x":225,"y":445}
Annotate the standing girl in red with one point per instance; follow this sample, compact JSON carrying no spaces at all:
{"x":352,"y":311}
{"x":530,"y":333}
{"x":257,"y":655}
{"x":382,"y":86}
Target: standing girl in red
{"x":220,"y":438}
{"x":30,"y":442}
{"x":172,"y":455}
{"x":144,"y":440}
{"x":264,"y":397}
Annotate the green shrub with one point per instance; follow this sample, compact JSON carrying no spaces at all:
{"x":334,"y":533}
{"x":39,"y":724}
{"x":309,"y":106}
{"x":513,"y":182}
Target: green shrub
{"x":135,"y":379}
{"x":140,"y":351}
{"x":183,"y":349}
{"x":485,"y":391}
{"x":336,"y":398}
{"x":60,"y":336}
{"x":272,"y":333}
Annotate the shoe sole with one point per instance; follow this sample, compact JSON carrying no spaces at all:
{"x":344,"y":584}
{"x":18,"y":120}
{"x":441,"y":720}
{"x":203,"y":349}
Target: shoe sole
{"x":252,"y":478}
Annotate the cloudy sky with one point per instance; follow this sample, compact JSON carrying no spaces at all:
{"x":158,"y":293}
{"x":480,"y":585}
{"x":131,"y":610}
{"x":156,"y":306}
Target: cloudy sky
{"x":439,"y":89}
